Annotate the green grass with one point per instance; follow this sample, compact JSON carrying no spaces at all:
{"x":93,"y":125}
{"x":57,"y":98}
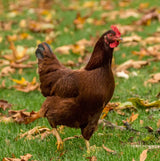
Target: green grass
{"x":74,"y":150}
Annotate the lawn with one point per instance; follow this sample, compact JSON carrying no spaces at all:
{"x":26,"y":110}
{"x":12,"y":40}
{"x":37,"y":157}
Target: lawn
{"x":23,"y":25}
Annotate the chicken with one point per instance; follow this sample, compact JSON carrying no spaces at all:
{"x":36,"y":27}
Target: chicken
{"x":76,"y":98}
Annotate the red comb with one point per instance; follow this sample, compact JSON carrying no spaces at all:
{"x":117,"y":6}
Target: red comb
{"x":115,"y":29}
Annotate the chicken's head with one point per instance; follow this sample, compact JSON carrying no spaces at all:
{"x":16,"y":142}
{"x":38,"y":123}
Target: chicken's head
{"x":112,"y":37}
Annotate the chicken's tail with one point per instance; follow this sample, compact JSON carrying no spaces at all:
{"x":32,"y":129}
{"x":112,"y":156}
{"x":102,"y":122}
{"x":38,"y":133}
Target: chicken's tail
{"x":46,"y":56}
{"x":48,"y":65}
{"x":43,"y":50}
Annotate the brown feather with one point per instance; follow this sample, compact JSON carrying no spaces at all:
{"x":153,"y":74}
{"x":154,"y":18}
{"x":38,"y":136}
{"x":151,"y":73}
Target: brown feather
{"x":76,"y":98}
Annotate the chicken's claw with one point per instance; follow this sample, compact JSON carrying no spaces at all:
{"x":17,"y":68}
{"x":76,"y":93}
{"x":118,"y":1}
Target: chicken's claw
{"x":59,"y":145}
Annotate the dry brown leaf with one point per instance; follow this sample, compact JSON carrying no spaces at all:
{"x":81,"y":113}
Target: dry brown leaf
{"x":5,"y":105}
{"x":148,"y":17}
{"x":77,"y":48}
{"x":21,"y":66}
{"x":143,"y":155}
{"x":133,"y":38}
{"x":20,"y":116}
{"x":93,"y":158}
{"x":3,"y":85}
{"x":23,"y":158}
{"x":123,"y":14}
{"x":35,"y":26}
{"x":155,"y":79}
{"x":150,"y":51}
{"x":63,"y":49}
{"x":130,"y":64}
{"x":36,"y":132}
{"x":6,"y":119}
{"x":128,"y":13}
{"x":5,"y":25}
{"x":109,"y":150}
{"x":141,"y":122}
{"x":132,"y":118}
{"x":158,"y":123}
{"x":124,"y":29}
{"x":6,"y":71}
{"x":143,"y":5}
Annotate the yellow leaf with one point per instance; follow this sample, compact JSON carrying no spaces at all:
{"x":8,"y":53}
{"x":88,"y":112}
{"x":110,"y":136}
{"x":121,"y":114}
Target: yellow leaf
{"x":33,"y":81}
{"x":89,"y":4}
{"x":143,"y":5}
{"x":1,"y":38}
{"x":21,"y":82}
{"x":24,"y":35}
{"x":148,"y":22}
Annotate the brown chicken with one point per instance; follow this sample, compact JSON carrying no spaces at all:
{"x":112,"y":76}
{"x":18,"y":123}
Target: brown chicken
{"x":76,"y":98}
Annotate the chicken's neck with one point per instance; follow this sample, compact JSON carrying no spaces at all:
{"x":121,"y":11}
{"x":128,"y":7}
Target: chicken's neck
{"x":101,"y":56}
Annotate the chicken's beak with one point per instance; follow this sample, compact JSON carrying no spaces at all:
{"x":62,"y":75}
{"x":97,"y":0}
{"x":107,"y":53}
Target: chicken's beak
{"x":118,"y":39}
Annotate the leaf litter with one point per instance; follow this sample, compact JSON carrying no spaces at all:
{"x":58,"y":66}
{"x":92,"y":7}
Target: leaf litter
{"x":147,"y":19}
{"x":22,"y":158}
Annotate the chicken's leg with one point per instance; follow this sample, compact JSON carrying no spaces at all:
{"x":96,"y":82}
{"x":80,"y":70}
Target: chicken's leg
{"x":59,"y":140}
{"x":87,"y":145}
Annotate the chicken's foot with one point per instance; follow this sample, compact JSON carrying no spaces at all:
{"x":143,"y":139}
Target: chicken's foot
{"x":59,"y":140}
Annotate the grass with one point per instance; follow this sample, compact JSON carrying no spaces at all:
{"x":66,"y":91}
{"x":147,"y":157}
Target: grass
{"x":134,"y":86}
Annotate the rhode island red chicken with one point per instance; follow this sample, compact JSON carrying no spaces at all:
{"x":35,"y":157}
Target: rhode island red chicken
{"x":76,"y":98}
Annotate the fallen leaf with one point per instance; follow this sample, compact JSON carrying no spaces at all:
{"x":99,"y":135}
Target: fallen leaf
{"x":124,"y":14}
{"x":3,"y":85}
{"x":5,"y":105}
{"x":93,"y":158}
{"x":5,"y":25}
{"x":23,"y":158}
{"x":77,"y":48}
{"x":140,"y":103}
{"x":141,"y":122}
{"x":132,"y":118}
{"x":25,"y":86}
{"x":149,"y":128}
{"x":20,"y":116}
{"x":44,"y":27}
{"x":130,"y":64}
{"x":36,"y":132}
{"x":148,"y":17}
{"x":109,"y":150}
{"x":155,"y":79}
{"x":143,"y":155}
{"x":124,"y":29}
{"x":6,"y":119}
{"x":6,"y":71}
{"x":158,"y":123}
{"x":133,"y":38}
{"x":21,"y":66}
{"x":107,"y":108}
{"x":143,"y":5}
{"x":80,"y":21}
